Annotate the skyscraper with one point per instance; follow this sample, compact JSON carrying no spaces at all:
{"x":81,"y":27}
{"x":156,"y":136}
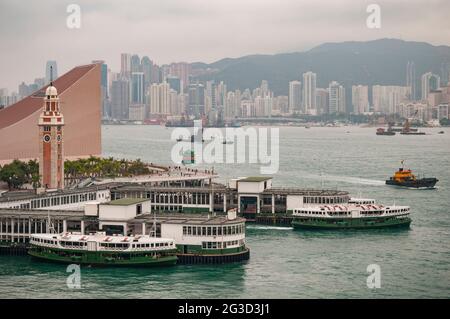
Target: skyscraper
{"x":264,"y":88}
{"x":160,"y":100}
{"x":174,"y":83}
{"x":120,"y":99}
{"x":125,"y":65}
{"x":182,"y":70}
{"x":137,"y":88}
{"x":322,"y":101}
{"x":360,"y":99}
{"x":385,"y":99}
{"x":295,"y":96}
{"x":309,"y":93}
{"x":210,"y":96}
{"x":106,"y":112}
{"x":51,"y":71}
{"x":445,"y":73}
{"x":411,"y":81}
{"x":430,"y":82}
{"x":146,"y":66}
{"x":337,"y":103}
{"x":263,"y":106}
{"x":135,"y":63}
{"x":196,"y":104}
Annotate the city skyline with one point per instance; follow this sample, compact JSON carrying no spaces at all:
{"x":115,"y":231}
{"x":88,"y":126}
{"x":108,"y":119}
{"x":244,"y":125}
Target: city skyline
{"x":135,"y":93}
{"x":193,"y":31}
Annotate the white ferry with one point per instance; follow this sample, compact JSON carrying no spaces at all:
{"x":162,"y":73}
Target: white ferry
{"x":358,"y":213}
{"x":100,"y":249}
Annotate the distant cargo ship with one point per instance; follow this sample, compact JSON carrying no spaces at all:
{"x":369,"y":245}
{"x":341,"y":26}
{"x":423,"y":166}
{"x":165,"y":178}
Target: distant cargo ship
{"x":382,"y":131}
{"x":407,"y":130}
{"x":356,"y":214}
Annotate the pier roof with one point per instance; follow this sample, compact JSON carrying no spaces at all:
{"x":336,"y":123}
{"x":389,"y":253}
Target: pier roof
{"x":305,"y":192}
{"x":255,"y":179}
{"x":188,"y":219}
{"x":26,"y":213}
{"x":126,"y":201}
{"x":204,"y":189}
{"x":31,"y":194}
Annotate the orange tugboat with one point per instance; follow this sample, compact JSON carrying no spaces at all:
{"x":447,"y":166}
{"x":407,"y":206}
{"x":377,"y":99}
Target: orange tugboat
{"x":405,"y":177}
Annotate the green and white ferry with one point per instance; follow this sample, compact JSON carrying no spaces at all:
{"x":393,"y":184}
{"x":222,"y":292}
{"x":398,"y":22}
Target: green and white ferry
{"x":101,"y":249}
{"x":356,"y":214}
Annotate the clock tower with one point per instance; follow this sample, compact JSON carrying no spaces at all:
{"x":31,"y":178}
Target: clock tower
{"x":51,"y":151}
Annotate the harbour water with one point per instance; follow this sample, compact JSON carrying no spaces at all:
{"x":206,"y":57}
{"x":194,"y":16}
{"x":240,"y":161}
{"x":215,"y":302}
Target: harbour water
{"x":286,"y":263}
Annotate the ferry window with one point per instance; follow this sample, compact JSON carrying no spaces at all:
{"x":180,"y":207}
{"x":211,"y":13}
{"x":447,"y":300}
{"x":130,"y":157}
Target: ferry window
{"x":219,"y":231}
{"x":214,"y":231}
{"x":203,"y":231}
{"x":184,"y":230}
{"x":204,"y":245}
{"x":194,"y":231}
{"x":189,"y":230}
{"x":209,"y":231}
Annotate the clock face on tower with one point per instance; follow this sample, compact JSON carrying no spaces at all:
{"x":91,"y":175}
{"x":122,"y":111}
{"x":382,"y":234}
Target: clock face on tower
{"x":46,"y":138}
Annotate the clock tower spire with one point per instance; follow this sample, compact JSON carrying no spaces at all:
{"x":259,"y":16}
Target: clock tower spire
{"x":51,"y":151}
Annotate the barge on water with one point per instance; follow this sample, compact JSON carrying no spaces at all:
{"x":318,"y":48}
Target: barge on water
{"x":101,"y":250}
{"x":359,"y":214}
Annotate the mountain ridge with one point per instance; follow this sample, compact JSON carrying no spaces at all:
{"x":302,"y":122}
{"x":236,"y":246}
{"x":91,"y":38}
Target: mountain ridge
{"x":381,"y":61}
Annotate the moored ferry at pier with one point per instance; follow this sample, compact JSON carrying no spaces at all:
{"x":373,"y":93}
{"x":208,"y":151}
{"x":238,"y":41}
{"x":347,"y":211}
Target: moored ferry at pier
{"x":100,"y":249}
{"x":357,"y":214}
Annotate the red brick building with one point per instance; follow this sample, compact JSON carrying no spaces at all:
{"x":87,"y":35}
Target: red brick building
{"x":79,"y":93}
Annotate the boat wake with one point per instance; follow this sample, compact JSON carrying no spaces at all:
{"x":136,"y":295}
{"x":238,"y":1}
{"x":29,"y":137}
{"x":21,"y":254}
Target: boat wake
{"x":354,"y":180}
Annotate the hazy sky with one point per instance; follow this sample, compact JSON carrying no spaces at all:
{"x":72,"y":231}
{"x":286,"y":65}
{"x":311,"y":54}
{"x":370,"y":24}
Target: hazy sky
{"x":32,"y":32}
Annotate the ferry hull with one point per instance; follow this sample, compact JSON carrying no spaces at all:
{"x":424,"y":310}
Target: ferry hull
{"x":94,"y":259}
{"x":350,"y":224}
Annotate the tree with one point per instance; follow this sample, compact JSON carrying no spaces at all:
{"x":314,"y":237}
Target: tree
{"x":14,"y":174}
{"x":33,"y":173}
